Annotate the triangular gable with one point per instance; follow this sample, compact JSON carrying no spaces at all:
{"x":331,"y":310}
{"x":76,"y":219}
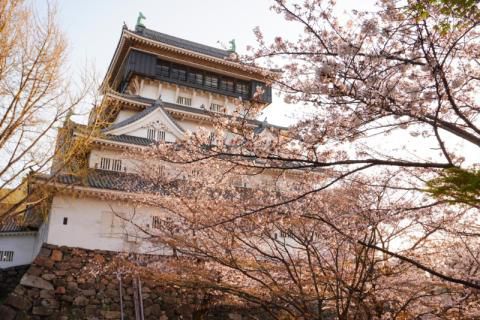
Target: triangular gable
{"x":154,"y":116}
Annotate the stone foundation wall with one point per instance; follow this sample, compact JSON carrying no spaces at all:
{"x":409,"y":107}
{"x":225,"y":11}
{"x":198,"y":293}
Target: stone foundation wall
{"x":60,"y":285}
{"x":9,"y":279}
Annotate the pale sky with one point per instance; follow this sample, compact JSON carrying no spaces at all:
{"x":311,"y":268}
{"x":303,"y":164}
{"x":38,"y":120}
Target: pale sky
{"x":93,"y":28}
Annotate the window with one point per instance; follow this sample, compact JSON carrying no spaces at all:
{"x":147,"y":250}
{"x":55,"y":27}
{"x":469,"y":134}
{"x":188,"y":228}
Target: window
{"x":195,"y":172}
{"x":156,"y":222}
{"x":105,"y":163}
{"x":110,"y":164}
{"x":117,"y":165}
{"x":155,"y":135}
{"x":215,"y":107}
{"x":184,"y":101}
{"x":160,"y":135}
{"x":203,"y":79}
{"x":163,"y":68}
{"x":161,"y":171}
{"x":179,"y":73}
{"x":151,"y":134}
{"x":211,"y":138}
{"x":65,"y":221}
{"x":195,"y":77}
{"x":165,"y":224}
{"x":211,"y":81}
{"x":286,"y":233}
{"x":226,"y":84}
{"x":6,"y":256}
{"x":242,"y":88}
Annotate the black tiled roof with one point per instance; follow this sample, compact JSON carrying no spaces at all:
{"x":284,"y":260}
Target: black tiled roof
{"x":129,"y":139}
{"x":20,"y":224}
{"x":112,"y":180}
{"x":182,"y":43}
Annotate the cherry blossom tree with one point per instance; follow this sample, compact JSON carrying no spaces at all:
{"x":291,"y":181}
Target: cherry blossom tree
{"x":370,"y":205}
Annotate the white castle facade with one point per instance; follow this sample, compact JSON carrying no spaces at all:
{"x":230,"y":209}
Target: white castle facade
{"x":193,"y":80}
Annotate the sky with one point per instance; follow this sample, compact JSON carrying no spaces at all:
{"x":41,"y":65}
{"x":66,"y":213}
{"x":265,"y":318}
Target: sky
{"x":93,"y":28}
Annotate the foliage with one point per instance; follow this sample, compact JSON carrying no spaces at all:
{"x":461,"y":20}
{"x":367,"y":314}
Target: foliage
{"x":36,"y":98}
{"x":451,"y":13}
{"x":457,"y":185}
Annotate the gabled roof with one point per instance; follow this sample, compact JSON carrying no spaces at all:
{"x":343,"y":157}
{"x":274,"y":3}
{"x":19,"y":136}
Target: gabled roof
{"x":132,"y":119}
{"x":182,"y":43}
{"x":156,"y":106}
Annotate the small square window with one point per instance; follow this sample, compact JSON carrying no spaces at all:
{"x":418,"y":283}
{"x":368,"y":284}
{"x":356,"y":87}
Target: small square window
{"x":65,"y":220}
{"x":6,"y":256}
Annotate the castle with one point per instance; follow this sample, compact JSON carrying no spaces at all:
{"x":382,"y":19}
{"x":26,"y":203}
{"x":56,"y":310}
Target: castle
{"x":157,"y":87}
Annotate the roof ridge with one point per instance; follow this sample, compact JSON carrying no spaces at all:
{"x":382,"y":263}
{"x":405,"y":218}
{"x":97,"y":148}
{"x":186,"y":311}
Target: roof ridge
{"x":182,"y":43}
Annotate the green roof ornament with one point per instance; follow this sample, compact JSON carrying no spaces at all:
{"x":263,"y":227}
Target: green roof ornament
{"x":139,"y":20}
{"x":233,"y":47}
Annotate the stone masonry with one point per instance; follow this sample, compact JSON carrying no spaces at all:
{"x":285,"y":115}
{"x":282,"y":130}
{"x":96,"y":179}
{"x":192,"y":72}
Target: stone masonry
{"x":9,"y":279}
{"x":58,"y":285}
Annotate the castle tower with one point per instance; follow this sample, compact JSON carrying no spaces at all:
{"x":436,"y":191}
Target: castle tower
{"x":156,"y":88}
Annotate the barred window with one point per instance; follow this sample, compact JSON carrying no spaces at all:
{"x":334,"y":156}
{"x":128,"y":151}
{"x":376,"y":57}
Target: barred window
{"x":286,"y":233}
{"x":105,"y":163}
{"x":184,"y":101}
{"x":195,"y":172}
{"x":6,"y":256}
{"x":110,"y":164}
{"x":160,"y":135}
{"x":117,"y":165}
{"x":156,"y":135}
{"x":151,"y":134}
{"x":211,"y":138}
{"x":215,"y":107}
{"x":163,"y":223}
{"x":156,"y":222}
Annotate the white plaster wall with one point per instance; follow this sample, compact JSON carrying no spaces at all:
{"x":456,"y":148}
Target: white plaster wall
{"x":93,"y":225}
{"x":193,"y":126}
{"x":23,"y":246}
{"x":40,"y":238}
{"x":149,"y":90}
{"x":90,"y":227}
{"x":170,"y":92}
{"x":124,"y":115}
{"x":96,"y":154}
